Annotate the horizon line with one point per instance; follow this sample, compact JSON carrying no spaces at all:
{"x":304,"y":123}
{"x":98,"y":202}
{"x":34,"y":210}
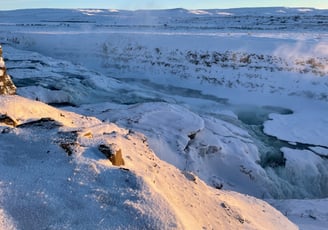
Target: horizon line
{"x":175,"y":8}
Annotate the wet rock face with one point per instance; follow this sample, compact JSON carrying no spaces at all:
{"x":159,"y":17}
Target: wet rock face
{"x":6,"y":84}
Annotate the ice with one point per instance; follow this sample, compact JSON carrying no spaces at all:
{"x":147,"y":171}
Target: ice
{"x":305,"y":126}
{"x":306,"y":170}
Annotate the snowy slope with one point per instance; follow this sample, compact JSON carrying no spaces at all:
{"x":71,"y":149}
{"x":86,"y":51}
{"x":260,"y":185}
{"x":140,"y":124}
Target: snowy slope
{"x":43,"y":187}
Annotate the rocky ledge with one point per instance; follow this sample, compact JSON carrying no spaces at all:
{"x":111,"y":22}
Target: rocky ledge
{"x":6,"y":84}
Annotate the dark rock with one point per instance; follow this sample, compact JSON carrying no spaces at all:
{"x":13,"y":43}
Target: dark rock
{"x":190,"y":176}
{"x":68,"y":147}
{"x":5,"y":130}
{"x":6,"y":84}
{"x":113,"y":153}
{"x":68,"y":141}
{"x":7,"y":120}
{"x":46,"y":123}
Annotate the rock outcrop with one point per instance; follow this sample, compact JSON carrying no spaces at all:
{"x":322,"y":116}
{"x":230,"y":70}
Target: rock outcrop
{"x":113,"y":153}
{"x":6,"y":84}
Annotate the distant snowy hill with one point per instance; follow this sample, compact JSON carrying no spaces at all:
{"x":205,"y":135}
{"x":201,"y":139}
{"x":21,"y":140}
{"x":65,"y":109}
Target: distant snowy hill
{"x":236,"y":98}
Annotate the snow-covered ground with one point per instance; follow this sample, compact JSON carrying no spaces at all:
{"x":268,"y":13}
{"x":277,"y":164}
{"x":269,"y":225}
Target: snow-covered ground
{"x":54,"y":176}
{"x":238,"y":100}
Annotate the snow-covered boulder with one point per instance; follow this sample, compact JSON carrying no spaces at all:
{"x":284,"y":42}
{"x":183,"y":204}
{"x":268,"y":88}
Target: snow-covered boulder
{"x":6,"y":84}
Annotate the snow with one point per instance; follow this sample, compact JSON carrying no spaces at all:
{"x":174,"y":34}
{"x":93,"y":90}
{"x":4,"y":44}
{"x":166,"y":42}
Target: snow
{"x":310,"y":214}
{"x":199,"y":12}
{"x":302,"y":127}
{"x":21,"y":111}
{"x":234,"y":99}
{"x":40,"y":184}
{"x":225,"y":13}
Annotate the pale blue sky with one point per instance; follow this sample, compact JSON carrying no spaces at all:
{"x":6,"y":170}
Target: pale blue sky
{"x":164,"y":4}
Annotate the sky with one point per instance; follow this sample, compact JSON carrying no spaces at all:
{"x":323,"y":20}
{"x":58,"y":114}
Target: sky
{"x":159,"y":4}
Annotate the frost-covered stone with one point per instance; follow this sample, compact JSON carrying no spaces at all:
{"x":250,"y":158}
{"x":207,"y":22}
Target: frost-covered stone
{"x":6,"y":84}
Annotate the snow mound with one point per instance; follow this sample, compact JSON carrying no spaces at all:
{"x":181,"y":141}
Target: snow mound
{"x":299,"y":127}
{"x":54,"y":176}
{"x":22,"y":110}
